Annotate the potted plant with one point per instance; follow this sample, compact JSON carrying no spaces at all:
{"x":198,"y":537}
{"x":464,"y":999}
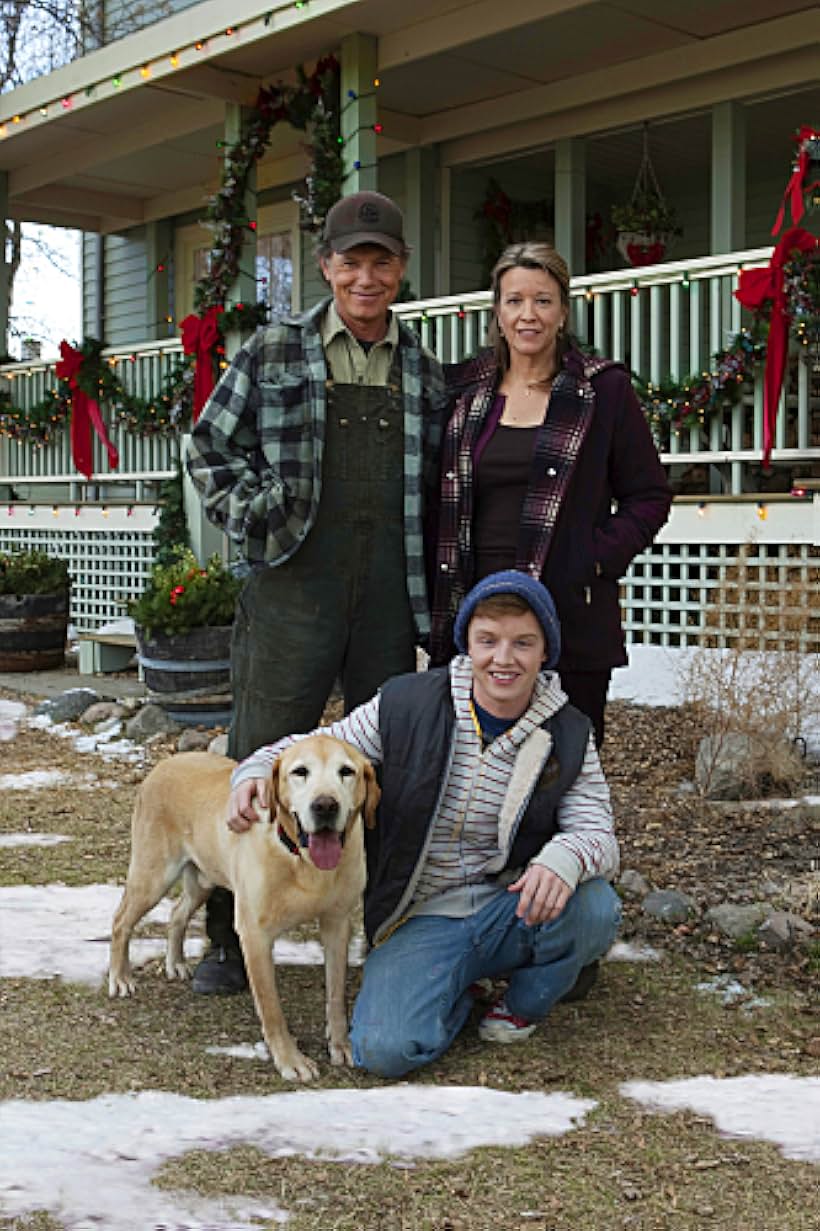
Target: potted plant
{"x":182,"y":624}
{"x":646,"y":225}
{"x":34,"y":598}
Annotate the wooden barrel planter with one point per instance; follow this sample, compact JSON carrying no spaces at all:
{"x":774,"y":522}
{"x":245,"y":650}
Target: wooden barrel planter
{"x":33,"y":631}
{"x":189,"y":674}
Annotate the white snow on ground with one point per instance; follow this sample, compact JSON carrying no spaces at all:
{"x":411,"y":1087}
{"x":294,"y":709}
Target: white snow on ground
{"x":104,"y":743}
{"x":33,"y":839}
{"x":11,"y":715}
{"x":40,"y":779}
{"x":622,"y":951}
{"x":91,"y":1163}
{"x":68,"y":929}
{"x":66,"y":933}
{"x":777,"y":1107}
{"x":731,"y":991}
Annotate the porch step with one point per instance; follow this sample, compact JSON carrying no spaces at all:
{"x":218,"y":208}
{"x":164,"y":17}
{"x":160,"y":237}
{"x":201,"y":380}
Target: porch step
{"x":100,"y":653}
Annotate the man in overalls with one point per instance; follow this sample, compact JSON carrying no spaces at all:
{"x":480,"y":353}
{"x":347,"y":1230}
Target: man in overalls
{"x":314,"y":454}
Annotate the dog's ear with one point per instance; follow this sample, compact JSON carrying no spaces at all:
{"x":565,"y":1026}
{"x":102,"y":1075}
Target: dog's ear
{"x":274,"y":800}
{"x":372,"y":796}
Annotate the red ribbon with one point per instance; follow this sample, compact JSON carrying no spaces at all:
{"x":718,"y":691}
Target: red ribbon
{"x":793,"y":195}
{"x":85,"y":414}
{"x":754,"y":288}
{"x":200,"y":335}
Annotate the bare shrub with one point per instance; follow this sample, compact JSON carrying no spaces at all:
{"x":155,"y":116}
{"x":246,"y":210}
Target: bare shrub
{"x":763,"y":686}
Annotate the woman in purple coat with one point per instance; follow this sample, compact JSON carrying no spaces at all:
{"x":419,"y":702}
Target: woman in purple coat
{"x":548,"y":467}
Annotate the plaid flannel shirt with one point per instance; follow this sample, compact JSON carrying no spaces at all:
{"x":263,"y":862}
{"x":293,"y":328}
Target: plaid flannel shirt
{"x":255,"y":454}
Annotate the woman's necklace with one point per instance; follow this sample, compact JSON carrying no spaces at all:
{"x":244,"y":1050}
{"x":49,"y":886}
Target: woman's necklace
{"x":543,"y":384}
{"x":521,"y":408}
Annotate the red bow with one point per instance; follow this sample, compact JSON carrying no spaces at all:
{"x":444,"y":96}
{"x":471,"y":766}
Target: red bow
{"x":200,"y":335}
{"x":754,"y":287}
{"x":85,"y":414}
{"x":795,"y":188}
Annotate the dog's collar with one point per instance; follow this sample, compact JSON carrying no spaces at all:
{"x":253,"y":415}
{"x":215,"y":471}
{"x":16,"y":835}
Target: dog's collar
{"x":287,"y":841}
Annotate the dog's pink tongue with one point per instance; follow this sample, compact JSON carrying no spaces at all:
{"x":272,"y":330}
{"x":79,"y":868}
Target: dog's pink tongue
{"x":325,"y":849}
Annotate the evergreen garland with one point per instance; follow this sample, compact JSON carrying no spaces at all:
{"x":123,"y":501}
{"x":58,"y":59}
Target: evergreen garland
{"x":311,"y":106}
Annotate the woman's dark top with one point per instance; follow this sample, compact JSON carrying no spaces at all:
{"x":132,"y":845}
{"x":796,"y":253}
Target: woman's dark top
{"x":501,"y":479}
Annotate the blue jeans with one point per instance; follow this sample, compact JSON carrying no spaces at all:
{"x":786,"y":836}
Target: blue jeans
{"x":414,"y":997}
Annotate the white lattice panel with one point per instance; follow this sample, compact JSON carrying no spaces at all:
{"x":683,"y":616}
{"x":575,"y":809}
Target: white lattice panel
{"x":765,"y":595}
{"x":109,"y":552}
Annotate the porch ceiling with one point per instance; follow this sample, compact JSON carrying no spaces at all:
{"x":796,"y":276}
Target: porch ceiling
{"x":479,"y":76}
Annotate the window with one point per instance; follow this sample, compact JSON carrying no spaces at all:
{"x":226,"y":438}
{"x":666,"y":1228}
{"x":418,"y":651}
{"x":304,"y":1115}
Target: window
{"x":277,"y":260}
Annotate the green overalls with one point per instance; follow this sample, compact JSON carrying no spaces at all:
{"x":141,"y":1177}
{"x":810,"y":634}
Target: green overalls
{"x":338,"y":608}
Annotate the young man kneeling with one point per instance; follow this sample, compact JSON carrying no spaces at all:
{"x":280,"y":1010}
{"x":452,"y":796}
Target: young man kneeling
{"x":494,"y":844}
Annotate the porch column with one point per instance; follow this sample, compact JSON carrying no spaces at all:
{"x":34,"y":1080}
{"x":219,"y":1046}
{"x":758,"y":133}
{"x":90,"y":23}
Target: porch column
{"x":728,"y":202}
{"x":158,"y":241}
{"x":359,"y":68}
{"x":4,"y":269}
{"x":420,"y":220}
{"x":244,"y":288}
{"x":206,"y":538}
{"x":571,"y":202}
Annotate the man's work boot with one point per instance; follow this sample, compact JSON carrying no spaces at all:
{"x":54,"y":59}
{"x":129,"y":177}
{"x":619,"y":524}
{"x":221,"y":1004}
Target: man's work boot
{"x":220,"y":973}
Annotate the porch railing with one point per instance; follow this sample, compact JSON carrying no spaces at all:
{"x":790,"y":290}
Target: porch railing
{"x":144,"y":462}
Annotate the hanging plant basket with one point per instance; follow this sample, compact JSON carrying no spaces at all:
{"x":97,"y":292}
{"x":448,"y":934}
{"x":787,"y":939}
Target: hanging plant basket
{"x":646,"y":226}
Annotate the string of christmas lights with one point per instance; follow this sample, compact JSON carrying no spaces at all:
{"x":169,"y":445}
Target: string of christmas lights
{"x":155,"y":68}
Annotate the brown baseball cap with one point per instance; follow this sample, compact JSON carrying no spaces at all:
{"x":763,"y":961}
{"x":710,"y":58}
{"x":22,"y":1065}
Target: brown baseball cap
{"x":365,"y":218}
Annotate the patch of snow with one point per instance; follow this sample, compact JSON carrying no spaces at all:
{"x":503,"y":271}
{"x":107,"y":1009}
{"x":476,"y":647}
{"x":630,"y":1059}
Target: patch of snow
{"x":68,"y":929}
{"x":40,"y":779}
{"x":780,"y":1108}
{"x":622,"y":951}
{"x":11,"y":715}
{"x":242,"y":1051}
{"x":91,"y":1163}
{"x":33,"y":839}
{"x":101,"y":742}
{"x":122,"y":626}
{"x":731,"y":991}
{"x":66,"y":932}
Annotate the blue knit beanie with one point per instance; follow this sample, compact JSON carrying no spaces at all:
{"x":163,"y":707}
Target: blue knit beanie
{"x":535,"y":595}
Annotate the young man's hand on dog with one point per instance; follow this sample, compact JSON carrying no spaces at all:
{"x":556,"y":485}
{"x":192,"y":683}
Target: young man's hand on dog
{"x":246,"y":802}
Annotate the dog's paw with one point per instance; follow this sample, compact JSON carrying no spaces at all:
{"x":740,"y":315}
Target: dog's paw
{"x":340,"y":1053}
{"x":177,"y":970}
{"x":296,"y":1067}
{"x":120,"y":985}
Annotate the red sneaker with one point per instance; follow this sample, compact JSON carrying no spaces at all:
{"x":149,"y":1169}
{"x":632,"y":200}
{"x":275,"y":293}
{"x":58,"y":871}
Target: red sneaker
{"x":499,"y":1025}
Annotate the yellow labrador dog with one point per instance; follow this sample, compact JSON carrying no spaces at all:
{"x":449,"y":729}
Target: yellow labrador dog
{"x":303,"y":861}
